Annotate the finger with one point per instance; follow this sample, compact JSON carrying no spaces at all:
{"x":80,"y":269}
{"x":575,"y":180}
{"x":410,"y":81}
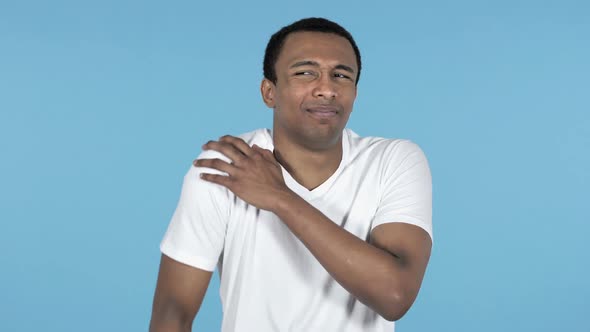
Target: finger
{"x":217,"y":164}
{"x":227,"y":149}
{"x":271,"y":155}
{"x":223,"y":180}
{"x":239,"y":143}
{"x":267,"y":154}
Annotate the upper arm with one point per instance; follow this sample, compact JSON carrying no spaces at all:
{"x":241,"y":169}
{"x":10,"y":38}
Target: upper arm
{"x":196,"y":233}
{"x":410,"y":246}
{"x":402,"y":225}
{"x":403,"y":221}
{"x":190,"y":249}
{"x":179,"y":293}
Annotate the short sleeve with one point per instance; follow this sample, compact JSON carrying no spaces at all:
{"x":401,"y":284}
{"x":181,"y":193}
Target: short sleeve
{"x":406,"y":188}
{"x":196,"y":233}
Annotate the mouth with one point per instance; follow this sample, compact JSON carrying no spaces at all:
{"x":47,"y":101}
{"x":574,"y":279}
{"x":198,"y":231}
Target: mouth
{"x":322,"y":112}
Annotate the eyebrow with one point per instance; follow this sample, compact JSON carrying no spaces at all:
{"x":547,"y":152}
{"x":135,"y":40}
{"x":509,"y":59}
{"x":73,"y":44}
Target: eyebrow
{"x":315,"y":64}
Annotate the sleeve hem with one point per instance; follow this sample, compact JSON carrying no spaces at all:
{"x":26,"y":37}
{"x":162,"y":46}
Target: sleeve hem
{"x":198,"y":262}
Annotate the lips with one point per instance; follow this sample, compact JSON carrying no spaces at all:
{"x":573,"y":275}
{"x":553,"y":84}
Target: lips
{"x":322,"y":111}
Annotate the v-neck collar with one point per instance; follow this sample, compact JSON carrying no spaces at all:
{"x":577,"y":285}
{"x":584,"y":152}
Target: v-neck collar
{"x":320,"y":190}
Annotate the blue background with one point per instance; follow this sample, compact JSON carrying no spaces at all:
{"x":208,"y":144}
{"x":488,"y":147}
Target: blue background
{"x":103,"y":105}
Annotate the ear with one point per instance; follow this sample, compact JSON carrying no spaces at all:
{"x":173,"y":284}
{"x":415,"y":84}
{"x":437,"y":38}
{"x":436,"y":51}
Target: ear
{"x":267,"y":90}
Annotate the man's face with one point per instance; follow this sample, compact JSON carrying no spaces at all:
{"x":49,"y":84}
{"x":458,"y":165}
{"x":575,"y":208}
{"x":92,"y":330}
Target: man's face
{"x":315,"y":89}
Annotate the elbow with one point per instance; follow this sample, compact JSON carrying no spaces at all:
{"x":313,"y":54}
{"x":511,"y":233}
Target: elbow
{"x":393,"y":315}
{"x":396,"y":305}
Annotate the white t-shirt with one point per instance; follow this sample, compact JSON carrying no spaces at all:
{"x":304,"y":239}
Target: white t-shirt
{"x":269,"y":279}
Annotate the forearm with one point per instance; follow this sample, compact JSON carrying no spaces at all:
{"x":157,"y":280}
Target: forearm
{"x":372,"y":275}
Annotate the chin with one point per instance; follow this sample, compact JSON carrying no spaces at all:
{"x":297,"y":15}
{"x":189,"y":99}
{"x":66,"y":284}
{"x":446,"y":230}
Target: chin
{"x":322,"y":138}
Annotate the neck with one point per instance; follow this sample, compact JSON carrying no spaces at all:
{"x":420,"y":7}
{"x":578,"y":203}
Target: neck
{"x":310,"y":167}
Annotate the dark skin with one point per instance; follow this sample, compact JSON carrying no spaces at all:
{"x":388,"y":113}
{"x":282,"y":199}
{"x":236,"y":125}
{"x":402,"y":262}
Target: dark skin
{"x":311,"y":101}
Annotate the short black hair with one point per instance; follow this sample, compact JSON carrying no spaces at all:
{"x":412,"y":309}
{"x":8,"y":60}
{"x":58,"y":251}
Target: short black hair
{"x":312,"y":24}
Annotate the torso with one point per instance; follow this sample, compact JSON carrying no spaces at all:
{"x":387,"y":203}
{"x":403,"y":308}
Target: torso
{"x":270,"y":281}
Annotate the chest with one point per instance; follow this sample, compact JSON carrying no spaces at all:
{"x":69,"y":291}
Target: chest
{"x":262,"y":239}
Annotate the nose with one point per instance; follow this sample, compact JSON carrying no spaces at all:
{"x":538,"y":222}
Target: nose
{"x":325,"y":88}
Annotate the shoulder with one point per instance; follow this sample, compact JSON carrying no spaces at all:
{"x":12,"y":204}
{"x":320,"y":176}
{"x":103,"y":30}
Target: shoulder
{"x":381,"y":148}
{"x":260,"y":137}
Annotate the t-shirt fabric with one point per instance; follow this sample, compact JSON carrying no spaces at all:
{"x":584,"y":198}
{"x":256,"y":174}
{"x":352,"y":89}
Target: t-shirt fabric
{"x":269,"y":279}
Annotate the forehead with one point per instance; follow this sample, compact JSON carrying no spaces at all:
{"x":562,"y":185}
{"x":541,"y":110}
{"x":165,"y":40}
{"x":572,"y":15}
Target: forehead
{"x":318,"y":46}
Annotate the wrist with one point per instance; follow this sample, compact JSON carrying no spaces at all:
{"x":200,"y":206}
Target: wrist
{"x":284,"y":201}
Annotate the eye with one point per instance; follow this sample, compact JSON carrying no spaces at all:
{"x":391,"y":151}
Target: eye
{"x":344,"y":76}
{"x":303,"y":73}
